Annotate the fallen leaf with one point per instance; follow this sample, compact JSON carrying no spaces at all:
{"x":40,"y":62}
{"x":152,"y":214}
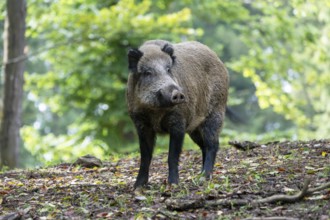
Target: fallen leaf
{"x":104,"y":214}
{"x":4,"y":192}
{"x":140,"y":198}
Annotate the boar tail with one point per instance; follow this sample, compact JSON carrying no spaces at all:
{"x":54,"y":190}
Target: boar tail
{"x":234,"y":117}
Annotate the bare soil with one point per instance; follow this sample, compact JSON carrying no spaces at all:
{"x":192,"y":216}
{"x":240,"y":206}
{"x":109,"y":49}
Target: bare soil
{"x":68,"y":191}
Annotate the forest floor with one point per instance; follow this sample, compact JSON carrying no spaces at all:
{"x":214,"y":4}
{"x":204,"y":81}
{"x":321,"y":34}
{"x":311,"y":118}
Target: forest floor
{"x":242,"y":178}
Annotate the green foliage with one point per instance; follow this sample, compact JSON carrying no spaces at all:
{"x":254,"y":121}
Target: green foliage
{"x":288,"y":61}
{"x":2,"y":10}
{"x":51,"y":149}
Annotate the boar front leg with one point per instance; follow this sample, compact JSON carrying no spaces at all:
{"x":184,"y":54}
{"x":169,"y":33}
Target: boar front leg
{"x":175,"y":127}
{"x":176,"y":141}
{"x":147,"y":139}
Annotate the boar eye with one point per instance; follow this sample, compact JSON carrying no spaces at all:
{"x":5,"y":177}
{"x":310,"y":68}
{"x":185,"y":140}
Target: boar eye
{"x":168,"y":70}
{"x":147,"y":72}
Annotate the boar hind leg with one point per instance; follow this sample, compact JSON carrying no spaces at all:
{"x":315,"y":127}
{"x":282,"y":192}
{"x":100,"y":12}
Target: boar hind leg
{"x":207,"y":137}
{"x":147,"y":139}
{"x":197,"y":137}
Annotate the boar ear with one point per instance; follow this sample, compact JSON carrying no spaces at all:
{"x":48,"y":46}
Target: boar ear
{"x":134,"y":56}
{"x":169,"y":50}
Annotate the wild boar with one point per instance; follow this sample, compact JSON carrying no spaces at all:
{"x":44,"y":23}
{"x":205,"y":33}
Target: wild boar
{"x":176,"y":89}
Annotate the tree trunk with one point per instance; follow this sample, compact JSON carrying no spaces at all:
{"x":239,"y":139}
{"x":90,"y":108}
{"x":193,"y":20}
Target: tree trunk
{"x":14,"y":44}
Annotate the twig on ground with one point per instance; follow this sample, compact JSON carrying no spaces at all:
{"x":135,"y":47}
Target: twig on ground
{"x":11,"y":216}
{"x":272,"y":218}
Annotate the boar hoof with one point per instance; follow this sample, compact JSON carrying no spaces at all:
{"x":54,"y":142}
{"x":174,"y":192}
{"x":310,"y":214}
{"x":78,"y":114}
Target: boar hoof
{"x":140,"y":183}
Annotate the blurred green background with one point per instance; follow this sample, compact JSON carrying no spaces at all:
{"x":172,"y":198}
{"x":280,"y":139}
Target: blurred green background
{"x":277,"y":54}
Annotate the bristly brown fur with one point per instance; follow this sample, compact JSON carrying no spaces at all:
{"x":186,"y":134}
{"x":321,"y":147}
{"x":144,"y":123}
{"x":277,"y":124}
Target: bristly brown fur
{"x":200,"y":77}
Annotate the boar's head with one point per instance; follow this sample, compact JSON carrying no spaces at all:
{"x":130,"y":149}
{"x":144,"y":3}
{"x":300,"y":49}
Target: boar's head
{"x":155,"y":84}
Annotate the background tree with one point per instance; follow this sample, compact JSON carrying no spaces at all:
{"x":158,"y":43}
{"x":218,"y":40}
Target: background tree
{"x":14,"y":44}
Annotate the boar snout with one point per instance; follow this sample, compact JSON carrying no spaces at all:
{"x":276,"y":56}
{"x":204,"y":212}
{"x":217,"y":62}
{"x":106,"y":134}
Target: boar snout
{"x":170,"y":96}
{"x":177,"y":97}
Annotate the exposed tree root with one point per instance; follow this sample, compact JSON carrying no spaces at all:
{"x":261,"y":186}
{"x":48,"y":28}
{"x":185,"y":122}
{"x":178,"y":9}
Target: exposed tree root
{"x":182,"y":204}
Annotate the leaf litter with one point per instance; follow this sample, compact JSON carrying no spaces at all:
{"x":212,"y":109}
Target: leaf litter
{"x":68,"y":191}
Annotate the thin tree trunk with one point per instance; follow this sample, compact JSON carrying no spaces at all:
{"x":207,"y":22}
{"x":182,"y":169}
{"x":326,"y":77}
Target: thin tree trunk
{"x":14,"y":44}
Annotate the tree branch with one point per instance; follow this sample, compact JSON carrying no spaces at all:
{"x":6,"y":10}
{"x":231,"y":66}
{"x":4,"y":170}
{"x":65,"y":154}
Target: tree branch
{"x":26,"y":55}
{"x":182,"y":205}
{"x":285,"y":198}
{"x":44,"y":49}
{"x":319,"y":188}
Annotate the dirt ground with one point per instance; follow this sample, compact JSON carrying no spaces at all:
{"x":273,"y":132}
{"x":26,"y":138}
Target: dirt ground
{"x":67,"y":191}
